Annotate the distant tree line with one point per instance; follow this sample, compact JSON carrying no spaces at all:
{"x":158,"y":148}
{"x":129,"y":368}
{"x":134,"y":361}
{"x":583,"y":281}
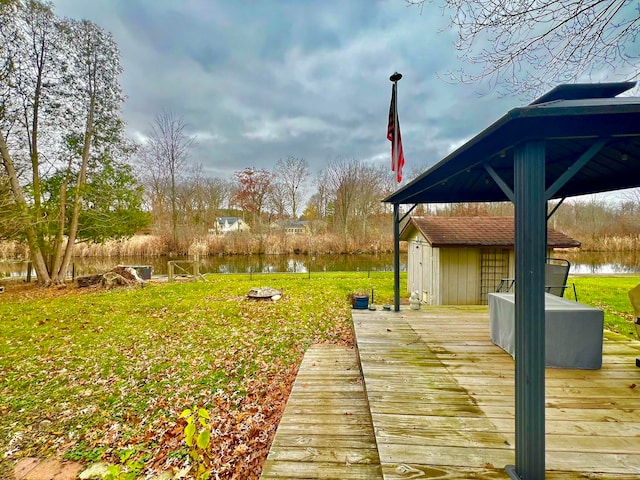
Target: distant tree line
{"x":344,"y":197}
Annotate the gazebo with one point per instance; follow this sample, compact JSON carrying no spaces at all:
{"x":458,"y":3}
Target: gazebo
{"x":574,"y":140}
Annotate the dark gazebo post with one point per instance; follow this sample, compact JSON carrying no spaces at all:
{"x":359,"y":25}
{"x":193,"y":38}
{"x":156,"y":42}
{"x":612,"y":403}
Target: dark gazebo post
{"x":396,"y":207}
{"x":396,"y":257}
{"x":530,"y":240}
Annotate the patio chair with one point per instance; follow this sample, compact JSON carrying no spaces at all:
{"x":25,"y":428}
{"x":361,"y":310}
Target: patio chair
{"x":634,"y":297}
{"x":556,"y":274}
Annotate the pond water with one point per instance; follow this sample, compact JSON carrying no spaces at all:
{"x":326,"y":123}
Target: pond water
{"x":581,"y":263}
{"x":603,"y":262}
{"x":227,"y":264}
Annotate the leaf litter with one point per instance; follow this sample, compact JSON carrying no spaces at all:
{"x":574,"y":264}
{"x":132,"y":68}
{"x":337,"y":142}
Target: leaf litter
{"x":88,"y":374}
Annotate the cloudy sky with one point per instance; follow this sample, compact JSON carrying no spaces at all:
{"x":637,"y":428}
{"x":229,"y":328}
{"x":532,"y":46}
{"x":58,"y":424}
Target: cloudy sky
{"x":257,"y":81}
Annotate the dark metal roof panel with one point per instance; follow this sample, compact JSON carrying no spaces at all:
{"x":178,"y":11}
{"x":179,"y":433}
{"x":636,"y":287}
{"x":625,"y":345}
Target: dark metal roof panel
{"x":569,"y":128}
{"x":584,"y":90}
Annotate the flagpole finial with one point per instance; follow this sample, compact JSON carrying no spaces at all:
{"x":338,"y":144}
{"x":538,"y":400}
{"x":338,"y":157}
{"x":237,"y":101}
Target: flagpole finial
{"x":395,"y":77}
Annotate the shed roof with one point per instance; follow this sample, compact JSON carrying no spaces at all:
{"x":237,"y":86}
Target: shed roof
{"x":475,"y":232}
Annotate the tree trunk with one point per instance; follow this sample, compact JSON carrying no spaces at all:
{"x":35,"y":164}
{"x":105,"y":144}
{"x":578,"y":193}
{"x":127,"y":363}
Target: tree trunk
{"x":33,"y":148}
{"x":37,"y":256}
{"x":59,"y":275}
{"x":56,"y":262}
{"x":174,"y":211}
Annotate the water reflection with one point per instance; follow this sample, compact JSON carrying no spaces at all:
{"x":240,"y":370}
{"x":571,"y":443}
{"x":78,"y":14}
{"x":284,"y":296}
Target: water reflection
{"x":227,"y":264}
{"x":581,"y":263}
{"x":603,"y":262}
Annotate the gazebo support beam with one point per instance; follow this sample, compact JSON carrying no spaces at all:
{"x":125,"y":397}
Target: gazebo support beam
{"x":554,"y":209}
{"x":576,"y":167}
{"x":396,"y":257}
{"x":530,"y":230}
{"x":501,"y":183}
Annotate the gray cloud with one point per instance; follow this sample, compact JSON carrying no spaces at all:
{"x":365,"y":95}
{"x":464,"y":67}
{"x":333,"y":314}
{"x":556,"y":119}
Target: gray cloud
{"x":258,"y":81}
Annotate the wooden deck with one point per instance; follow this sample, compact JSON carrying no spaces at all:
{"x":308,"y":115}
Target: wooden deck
{"x":326,"y":429}
{"x":440,"y":399}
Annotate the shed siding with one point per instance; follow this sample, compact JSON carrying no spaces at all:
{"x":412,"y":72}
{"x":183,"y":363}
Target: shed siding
{"x":435,"y":293}
{"x":421,"y":276}
{"x":460,"y":276}
{"x":447,"y":276}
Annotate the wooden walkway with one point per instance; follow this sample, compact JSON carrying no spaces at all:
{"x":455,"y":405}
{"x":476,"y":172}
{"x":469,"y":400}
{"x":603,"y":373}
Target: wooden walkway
{"x":440,"y":398}
{"x":326,"y":429}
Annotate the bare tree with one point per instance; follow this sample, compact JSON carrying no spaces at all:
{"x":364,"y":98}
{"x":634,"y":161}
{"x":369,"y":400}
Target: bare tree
{"x":165,"y":153}
{"x":219,"y":192}
{"x":370,"y":192}
{"x":291,"y":175}
{"x":342,"y":178}
{"x":156,"y":188}
{"x":277,"y":201}
{"x":320,"y":200}
{"x":529,"y":45}
{"x":199,"y":200}
{"x":351,"y":191}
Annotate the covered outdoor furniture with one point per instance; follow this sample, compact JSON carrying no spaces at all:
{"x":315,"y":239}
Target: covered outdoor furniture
{"x":573,"y":331}
{"x":556,"y":274}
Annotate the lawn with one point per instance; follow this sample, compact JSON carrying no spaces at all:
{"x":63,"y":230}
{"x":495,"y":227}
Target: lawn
{"x":611,"y":295}
{"x":93,"y":375}
{"x":90,"y":375}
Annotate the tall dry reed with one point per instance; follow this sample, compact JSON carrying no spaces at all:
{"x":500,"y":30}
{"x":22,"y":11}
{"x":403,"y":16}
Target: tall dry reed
{"x":13,"y":250}
{"x":235,"y":243}
{"x":136,"y":246}
{"x":611,"y":243}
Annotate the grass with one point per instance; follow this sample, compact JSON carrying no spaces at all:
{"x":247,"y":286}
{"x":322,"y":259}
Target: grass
{"x":609,"y":294}
{"x":103,"y":375}
{"x":91,"y":374}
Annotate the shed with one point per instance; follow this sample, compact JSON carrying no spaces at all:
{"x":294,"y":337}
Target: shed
{"x":458,"y":260}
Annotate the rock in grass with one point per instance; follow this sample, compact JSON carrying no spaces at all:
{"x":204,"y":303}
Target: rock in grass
{"x":264,"y":293}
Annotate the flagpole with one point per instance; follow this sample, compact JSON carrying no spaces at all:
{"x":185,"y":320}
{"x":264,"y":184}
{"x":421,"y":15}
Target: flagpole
{"x":396,"y":208}
{"x":396,"y":155}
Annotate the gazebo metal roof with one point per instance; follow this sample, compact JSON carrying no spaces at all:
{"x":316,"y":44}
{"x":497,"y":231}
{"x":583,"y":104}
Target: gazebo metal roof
{"x":573,"y":120}
{"x":574,"y":140}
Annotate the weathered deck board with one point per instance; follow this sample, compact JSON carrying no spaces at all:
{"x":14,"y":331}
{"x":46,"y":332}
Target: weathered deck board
{"x":326,"y":429}
{"x":417,"y":371}
{"x":442,"y":401}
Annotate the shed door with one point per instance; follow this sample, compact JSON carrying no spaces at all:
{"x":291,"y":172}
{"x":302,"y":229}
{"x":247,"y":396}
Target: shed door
{"x":415,"y":266}
{"x":494,"y":266}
